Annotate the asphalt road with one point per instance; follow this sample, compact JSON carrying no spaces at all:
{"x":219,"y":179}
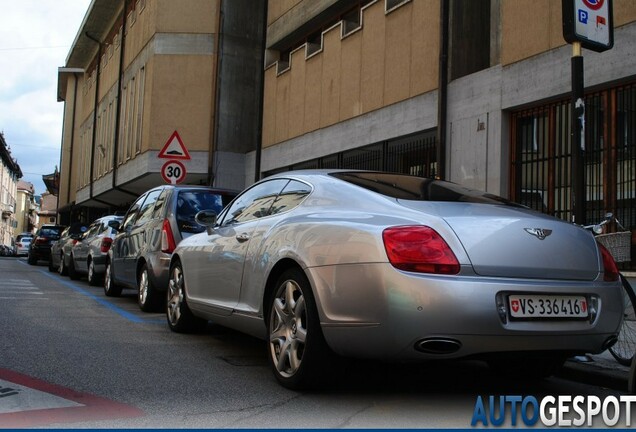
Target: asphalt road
{"x":66,"y":339}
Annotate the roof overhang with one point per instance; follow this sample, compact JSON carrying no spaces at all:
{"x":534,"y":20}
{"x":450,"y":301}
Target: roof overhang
{"x":97,"y":23}
{"x":62,"y":80}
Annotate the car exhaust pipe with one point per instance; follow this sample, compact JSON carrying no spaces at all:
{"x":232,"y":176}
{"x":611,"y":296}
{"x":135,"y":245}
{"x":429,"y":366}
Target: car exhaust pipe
{"x":609,"y":342}
{"x":439,"y":346}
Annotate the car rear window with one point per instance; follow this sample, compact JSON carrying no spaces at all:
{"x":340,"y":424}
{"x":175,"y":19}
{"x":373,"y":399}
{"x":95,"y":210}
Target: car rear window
{"x":53,"y":233}
{"x":407,"y":187}
{"x":189,"y":203}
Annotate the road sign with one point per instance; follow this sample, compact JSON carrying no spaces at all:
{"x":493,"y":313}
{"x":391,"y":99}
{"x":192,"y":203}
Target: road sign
{"x":174,"y":148}
{"x":173,"y":172}
{"x":589,"y":22}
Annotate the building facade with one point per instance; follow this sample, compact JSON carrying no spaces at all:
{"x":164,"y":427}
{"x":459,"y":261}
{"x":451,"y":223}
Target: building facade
{"x":472,"y":91}
{"x":9,"y":174}
{"x":26,"y":211}
{"x":143,"y":75}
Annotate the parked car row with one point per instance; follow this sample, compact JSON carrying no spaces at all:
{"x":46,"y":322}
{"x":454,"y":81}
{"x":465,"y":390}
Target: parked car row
{"x":330,"y":263}
{"x":134,"y":251}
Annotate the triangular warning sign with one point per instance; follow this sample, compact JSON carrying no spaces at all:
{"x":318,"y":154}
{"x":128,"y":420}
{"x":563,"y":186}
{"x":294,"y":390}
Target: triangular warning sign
{"x":174,"y":148}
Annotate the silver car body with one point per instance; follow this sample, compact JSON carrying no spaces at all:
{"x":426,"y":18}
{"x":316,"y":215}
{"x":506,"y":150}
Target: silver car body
{"x":138,"y":242}
{"x":370,"y":309}
{"x":89,"y":248}
{"x":61,"y":249}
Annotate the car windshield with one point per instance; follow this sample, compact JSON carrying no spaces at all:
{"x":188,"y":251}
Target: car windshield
{"x":407,"y":187}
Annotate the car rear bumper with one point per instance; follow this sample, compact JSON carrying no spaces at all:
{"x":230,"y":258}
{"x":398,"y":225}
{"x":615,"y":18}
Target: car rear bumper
{"x":376,"y":311}
{"x":40,"y":252}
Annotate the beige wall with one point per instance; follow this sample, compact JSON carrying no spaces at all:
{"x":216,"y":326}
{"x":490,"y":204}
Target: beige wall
{"x":527,"y":34}
{"x":181,"y":99}
{"x":68,"y":170}
{"x":277,"y":8}
{"x":200,"y":16}
{"x":391,"y":58}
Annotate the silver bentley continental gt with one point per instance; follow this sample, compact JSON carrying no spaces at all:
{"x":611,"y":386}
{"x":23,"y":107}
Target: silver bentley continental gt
{"x":324,"y":264}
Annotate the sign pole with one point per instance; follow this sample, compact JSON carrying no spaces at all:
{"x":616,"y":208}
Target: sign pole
{"x":578,"y":136}
{"x":586,"y":24}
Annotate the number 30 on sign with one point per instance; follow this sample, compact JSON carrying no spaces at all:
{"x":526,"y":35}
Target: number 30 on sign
{"x":173,"y":172}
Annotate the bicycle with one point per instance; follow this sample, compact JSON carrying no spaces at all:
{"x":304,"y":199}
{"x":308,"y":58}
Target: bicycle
{"x":619,"y":246}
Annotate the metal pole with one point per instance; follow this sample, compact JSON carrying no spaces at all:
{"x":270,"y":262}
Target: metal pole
{"x":578,"y":136}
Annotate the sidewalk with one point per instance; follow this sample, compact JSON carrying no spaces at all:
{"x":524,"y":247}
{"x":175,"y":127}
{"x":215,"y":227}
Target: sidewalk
{"x":599,"y":369}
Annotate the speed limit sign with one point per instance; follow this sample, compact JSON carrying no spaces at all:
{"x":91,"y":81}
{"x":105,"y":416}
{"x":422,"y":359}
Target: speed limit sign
{"x":173,"y":172}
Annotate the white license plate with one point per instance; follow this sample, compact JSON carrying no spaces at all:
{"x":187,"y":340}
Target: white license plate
{"x":547,"y":306}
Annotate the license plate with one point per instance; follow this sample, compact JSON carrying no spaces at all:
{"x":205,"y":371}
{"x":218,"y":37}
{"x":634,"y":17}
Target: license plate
{"x":547,"y":306}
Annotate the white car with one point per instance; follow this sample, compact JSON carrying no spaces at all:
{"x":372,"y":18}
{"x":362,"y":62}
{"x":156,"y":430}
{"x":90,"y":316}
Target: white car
{"x":22,"y":245}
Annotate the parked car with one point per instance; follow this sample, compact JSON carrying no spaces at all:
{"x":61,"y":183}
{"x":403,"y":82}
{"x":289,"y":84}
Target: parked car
{"x":40,"y":248}
{"x":61,"y":249}
{"x":394,"y":267}
{"x":88,"y":255}
{"x":6,"y":251}
{"x":22,"y":244}
{"x":155,"y":223}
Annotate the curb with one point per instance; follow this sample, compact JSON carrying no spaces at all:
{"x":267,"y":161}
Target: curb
{"x":593,"y":374}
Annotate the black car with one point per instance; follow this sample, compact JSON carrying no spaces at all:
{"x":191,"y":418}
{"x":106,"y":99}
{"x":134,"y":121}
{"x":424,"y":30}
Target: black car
{"x":40,"y":248}
{"x":155,"y":223}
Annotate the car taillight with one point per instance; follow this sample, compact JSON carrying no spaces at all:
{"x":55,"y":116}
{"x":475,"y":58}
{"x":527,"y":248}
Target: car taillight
{"x":167,"y":239}
{"x":611,"y":270}
{"x":419,"y":249}
{"x":75,"y":242}
{"x":105,"y":245}
{"x":41,"y":240}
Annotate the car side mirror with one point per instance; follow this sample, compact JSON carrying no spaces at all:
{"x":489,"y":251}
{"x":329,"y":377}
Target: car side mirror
{"x":206,"y":218}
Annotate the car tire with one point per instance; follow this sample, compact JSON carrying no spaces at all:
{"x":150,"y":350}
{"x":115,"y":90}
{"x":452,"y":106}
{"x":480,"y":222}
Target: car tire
{"x":148,"y":298}
{"x":180,"y":317}
{"x":51,"y":268}
{"x":297,"y":351}
{"x":72,"y":273}
{"x":92,"y":277}
{"x":111,"y":289}
{"x":31,"y":260}
{"x":61,"y":269}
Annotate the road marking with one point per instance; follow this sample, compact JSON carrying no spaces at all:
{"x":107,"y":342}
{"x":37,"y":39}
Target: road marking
{"x":27,"y":402}
{"x":19,"y":289}
{"x":101,"y":300}
{"x":17,"y":398}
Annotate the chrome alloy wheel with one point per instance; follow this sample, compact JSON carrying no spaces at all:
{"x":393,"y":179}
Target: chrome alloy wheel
{"x":175,"y":296}
{"x":288,"y":328}
{"x":91,"y":271}
{"x":107,"y":281}
{"x":143,"y":286}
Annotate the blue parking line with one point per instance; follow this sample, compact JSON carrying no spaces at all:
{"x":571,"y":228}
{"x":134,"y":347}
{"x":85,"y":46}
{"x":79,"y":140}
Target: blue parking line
{"x":125,"y":314}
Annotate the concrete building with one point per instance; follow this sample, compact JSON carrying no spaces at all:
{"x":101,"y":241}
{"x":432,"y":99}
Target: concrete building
{"x":26,"y":212}
{"x":143,"y":75}
{"x":9,"y":174}
{"x":47,"y":210}
{"x":472,"y":91}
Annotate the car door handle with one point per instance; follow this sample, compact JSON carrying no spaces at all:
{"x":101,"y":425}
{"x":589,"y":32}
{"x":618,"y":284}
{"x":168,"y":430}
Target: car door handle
{"x":243,"y":237}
